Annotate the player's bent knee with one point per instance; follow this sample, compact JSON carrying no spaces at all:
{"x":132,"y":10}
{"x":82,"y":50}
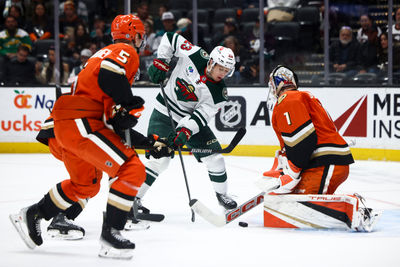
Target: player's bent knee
{"x":214,"y":162}
{"x":159,"y":165}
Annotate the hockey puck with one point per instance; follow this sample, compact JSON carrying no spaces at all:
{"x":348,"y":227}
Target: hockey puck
{"x":243,"y":224}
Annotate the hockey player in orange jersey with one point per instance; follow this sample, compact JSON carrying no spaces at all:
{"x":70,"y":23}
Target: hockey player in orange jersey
{"x":314,"y":158}
{"x":88,"y":125}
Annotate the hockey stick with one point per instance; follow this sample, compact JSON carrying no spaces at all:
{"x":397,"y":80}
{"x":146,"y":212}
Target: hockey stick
{"x":153,"y":217}
{"x":179,"y":148}
{"x":235,"y":141}
{"x":230,"y":215}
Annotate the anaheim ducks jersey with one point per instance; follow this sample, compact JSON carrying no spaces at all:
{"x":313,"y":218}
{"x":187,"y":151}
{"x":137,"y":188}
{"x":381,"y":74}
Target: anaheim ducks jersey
{"x":87,"y":98}
{"x":192,"y":97}
{"x":306,"y":131}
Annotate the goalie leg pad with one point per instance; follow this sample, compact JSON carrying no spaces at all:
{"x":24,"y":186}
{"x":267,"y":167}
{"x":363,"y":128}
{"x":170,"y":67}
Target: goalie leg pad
{"x":316,"y":211}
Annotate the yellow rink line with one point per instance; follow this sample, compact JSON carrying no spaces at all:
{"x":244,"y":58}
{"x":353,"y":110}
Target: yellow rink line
{"x":240,"y":150}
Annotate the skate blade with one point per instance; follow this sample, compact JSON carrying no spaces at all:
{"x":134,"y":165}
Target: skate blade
{"x":107,"y":251}
{"x":141,"y":225}
{"x":19,"y":224}
{"x":72,"y":235}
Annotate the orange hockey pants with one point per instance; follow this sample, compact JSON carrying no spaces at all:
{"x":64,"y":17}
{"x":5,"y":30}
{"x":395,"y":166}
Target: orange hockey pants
{"x":322,"y":180}
{"x":87,"y":148}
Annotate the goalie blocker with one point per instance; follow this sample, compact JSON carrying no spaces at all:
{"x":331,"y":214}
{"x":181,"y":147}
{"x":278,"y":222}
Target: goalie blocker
{"x":319,"y":212}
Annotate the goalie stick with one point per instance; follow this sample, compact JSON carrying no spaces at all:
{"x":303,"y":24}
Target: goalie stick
{"x":235,"y":141}
{"x":230,"y":215}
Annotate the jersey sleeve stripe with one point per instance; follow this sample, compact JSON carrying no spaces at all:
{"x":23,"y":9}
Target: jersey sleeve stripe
{"x":322,"y":151}
{"x":112,"y":66}
{"x":197,"y":120}
{"x":100,"y":141}
{"x":293,"y":139}
{"x":175,"y":41}
{"x":161,"y":101}
{"x":198,"y":114}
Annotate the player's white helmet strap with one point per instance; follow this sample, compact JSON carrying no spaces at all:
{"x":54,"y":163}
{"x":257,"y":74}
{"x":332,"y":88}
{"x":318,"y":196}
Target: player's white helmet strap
{"x":281,"y":77}
{"x":223,"y":56}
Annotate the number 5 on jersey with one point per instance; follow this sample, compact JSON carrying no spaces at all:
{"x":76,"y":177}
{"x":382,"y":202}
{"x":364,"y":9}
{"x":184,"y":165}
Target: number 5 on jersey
{"x":123,"y":56}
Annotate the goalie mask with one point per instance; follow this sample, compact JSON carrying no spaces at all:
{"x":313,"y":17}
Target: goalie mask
{"x":282,"y":78}
{"x":222,"y":56}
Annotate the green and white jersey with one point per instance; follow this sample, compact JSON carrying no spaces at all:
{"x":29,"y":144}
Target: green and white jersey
{"x":193,"y":98}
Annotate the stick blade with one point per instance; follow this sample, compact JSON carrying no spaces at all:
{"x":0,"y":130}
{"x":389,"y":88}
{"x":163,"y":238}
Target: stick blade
{"x":206,"y":213}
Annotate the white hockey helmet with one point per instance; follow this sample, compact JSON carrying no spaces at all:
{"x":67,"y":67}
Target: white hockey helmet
{"x":223,"y":56}
{"x":281,"y":78}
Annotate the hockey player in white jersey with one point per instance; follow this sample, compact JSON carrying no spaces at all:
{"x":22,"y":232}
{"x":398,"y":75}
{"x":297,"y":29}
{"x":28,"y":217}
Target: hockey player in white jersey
{"x":195,"y":92}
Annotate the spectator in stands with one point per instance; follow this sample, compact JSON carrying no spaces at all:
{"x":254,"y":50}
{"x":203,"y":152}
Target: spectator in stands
{"x":9,"y":3}
{"x":20,"y":71}
{"x":168,"y":21}
{"x":101,"y":32}
{"x":80,"y":7}
{"x":383,"y":55}
{"x":11,"y":37}
{"x":40,"y":27}
{"x":16,"y":12}
{"x":157,"y":20}
{"x":185,"y":29}
{"x":281,"y":10}
{"x":367,"y":29}
{"x":241,"y":55}
{"x":69,"y":21}
{"x":396,"y":28}
{"x":81,"y":41}
{"x":230,"y":28}
{"x":142,"y":11}
{"x":93,"y":47}
{"x":85,"y":55}
{"x":149,"y":49}
{"x":46,"y":73}
{"x":368,"y":52}
{"x":344,"y":53}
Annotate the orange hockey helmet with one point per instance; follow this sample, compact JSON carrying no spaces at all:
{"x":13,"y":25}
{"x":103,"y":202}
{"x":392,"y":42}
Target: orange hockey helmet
{"x":126,"y":27}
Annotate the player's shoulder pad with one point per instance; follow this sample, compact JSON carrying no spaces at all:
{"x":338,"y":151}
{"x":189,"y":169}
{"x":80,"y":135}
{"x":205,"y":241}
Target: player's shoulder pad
{"x":290,"y":96}
{"x":200,"y":59}
{"x":218,"y":91}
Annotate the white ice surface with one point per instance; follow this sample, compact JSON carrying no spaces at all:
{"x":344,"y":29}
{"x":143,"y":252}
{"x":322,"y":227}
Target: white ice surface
{"x":178,"y":242}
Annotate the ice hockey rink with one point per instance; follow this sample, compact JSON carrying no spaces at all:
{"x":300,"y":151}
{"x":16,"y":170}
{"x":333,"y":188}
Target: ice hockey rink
{"x":178,"y":242}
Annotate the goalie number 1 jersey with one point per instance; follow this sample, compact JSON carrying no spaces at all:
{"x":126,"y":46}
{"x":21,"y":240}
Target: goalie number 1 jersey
{"x":306,"y":131}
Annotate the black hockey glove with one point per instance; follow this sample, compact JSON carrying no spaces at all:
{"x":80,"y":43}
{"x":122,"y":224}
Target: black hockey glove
{"x":161,"y":150}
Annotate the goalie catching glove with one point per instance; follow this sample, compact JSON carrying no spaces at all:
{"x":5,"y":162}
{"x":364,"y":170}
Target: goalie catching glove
{"x":283,"y":176}
{"x":179,"y":138}
{"x":158,"y":70}
{"x":161,"y":149}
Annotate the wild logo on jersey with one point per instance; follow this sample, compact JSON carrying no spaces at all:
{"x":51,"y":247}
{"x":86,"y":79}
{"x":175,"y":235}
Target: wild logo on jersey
{"x":185,"y":91}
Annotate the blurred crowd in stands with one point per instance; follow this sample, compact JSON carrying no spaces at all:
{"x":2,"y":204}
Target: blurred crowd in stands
{"x":293,"y":33}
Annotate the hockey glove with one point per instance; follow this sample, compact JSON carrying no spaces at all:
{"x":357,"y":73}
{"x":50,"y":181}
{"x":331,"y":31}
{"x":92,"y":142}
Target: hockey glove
{"x":276,"y":166}
{"x":179,"y":138}
{"x":161,"y":150}
{"x":158,"y":70}
{"x":121,"y":119}
{"x":282,"y":181}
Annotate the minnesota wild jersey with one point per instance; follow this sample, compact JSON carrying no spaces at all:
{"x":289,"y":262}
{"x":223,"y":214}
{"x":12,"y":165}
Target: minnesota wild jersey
{"x":193,"y":98}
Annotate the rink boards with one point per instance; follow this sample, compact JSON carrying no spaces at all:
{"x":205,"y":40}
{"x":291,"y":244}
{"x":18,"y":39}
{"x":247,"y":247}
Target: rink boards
{"x":368,"y":118}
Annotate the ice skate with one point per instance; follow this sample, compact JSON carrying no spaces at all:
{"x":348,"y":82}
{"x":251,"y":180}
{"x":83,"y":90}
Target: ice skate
{"x":63,"y":228}
{"x":114,"y":245}
{"x":226,"y":201}
{"x":27,"y":224}
{"x":140,"y":206}
{"x":368,"y":219}
{"x":133,"y":224}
